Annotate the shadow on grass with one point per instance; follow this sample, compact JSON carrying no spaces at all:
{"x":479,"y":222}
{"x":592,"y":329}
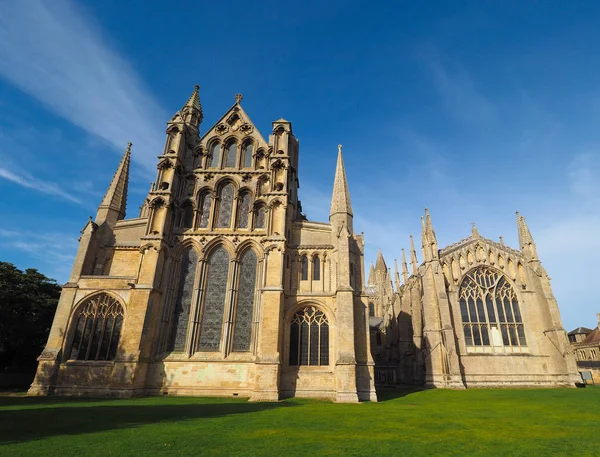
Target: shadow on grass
{"x":19,"y":425}
{"x":393,"y":393}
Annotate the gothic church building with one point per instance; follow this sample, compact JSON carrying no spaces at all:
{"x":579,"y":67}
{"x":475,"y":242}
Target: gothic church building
{"x":221,"y":286}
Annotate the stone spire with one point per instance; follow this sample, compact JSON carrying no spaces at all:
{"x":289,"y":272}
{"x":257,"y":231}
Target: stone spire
{"x":428,"y":239}
{"x":413,"y":256}
{"x":340,"y":201}
{"x":192,"y":110}
{"x":474,"y":231}
{"x":526,"y":242}
{"x":404,"y":268}
{"x":114,"y":203}
{"x":380,"y":263}
{"x":371,"y":280}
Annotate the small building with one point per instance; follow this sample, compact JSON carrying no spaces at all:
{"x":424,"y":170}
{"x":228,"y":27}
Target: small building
{"x":587,"y":354}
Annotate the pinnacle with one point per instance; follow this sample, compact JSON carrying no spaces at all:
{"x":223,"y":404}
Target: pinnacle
{"x":380,"y":263}
{"x":194,"y":100}
{"x":340,"y":201}
{"x":116,"y":194}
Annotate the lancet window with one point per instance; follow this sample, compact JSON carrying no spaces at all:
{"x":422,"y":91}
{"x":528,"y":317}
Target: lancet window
{"x":316,"y":273}
{"x":215,"y":153}
{"x":248,"y":148}
{"x":225,"y":206}
{"x":230,"y":155}
{"x":303,"y":268}
{"x":259,"y":217}
{"x":242,"y":330}
{"x":183,"y":300}
{"x":98,"y":323}
{"x":309,"y":337}
{"x":243,"y":210}
{"x":205,"y":202}
{"x":490,"y":310}
{"x":187,"y":217}
{"x":211,"y":326}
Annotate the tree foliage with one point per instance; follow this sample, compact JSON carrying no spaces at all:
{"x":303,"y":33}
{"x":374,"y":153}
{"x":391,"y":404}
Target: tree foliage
{"x":28,"y":301}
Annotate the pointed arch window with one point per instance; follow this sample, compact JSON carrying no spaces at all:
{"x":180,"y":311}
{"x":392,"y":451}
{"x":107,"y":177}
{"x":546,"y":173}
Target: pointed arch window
{"x":230,"y":155}
{"x":205,"y":202}
{"x":303,"y":268}
{"x":309,"y":338}
{"x":97,"y":329}
{"x":243,"y":210}
{"x":225,"y":206}
{"x":371,"y":310}
{"x":242,"y":330}
{"x":248,"y":149}
{"x":183,"y":301}
{"x":259,"y":217}
{"x":215,"y":153}
{"x":316,"y":273}
{"x":211,"y":326}
{"x":490,"y":310}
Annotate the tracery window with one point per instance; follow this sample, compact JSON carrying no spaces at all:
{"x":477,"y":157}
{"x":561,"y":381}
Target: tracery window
{"x":215,"y":152}
{"x":259,"y":221}
{"x":248,"y":148}
{"x":225,"y":206}
{"x":309,"y":338}
{"x":230,"y":155}
{"x":242,"y":330}
{"x":98,"y":328}
{"x":303,"y":268}
{"x":490,"y":310}
{"x":205,"y":202}
{"x":211,"y":326}
{"x":183,"y":300}
{"x":316,"y":268}
{"x":243,"y":210}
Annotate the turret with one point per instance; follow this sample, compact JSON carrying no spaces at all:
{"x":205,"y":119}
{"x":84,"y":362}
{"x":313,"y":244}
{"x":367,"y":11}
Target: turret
{"x":428,"y":239}
{"x":341,"y":208}
{"x":113,"y":205}
{"x":526,"y":242}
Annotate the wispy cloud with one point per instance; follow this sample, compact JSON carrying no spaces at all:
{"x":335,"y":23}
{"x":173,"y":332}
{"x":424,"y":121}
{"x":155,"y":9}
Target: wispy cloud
{"x":55,"y":52}
{"x":26,"y":180}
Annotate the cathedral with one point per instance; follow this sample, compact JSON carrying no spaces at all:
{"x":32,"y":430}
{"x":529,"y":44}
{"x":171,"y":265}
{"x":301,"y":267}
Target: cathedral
{"x":221,"y":286}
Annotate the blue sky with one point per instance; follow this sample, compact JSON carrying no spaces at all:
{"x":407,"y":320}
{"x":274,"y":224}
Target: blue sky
{"x":471,"y":109}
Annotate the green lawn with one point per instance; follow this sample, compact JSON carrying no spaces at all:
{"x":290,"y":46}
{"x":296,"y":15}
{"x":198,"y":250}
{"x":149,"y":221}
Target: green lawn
{"x":404,"y":422}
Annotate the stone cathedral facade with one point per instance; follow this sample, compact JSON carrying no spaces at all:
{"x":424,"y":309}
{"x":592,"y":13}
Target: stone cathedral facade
{"x":476,"y":313}
{"x":221,"y":286}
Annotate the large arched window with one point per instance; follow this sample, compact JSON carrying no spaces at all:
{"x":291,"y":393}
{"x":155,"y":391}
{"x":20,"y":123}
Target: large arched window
{"x":243,"y":210}
{"x":225,"y":206}
{"x":215,"y":292}
{"x":303,"y":268}
{"x":316,"y":273}
{"x":490,"y":310}
{"x":242,"y":330}
{"x":215,"y":152}
{"x":183,"y":300}
{"x":98,"y":324}
{"x":309,"y":337}
{"x":248,"y":148}
{"x":205,"y":202}
{"x":230,"y":155}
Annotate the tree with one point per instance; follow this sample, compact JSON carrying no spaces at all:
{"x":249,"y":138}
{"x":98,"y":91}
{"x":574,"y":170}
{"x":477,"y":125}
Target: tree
{"x":28,"y":301}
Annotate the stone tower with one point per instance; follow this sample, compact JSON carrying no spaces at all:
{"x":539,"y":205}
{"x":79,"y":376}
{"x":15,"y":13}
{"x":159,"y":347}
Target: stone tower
{"x":221,"y":286}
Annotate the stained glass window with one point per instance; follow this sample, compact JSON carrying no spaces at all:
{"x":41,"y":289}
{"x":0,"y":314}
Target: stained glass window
{"x":243,"y":210}
{"x":260,"y":218}
{"x":215,"y":153}
{"x":309,"y":338}
{"x":230,"y":155}
{"x":490,"y":310}
{"x":183,"y":300}
{"x":205,"y":202}
{"x":211,"y":325}
{"x":242,"y":332}
{"x":97,"y":329}
{"x":316,"y":268}
{"x":225,"y":206}
{"x":248,"y":148}
{"x":304,"y":268}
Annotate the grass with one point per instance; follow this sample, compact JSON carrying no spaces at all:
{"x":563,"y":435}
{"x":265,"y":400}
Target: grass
{"x":404,"y":422}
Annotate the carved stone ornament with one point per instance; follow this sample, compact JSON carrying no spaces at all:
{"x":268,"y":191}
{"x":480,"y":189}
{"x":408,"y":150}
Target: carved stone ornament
{"x":246,"y":129}
{"x":222,"y":129}
{"x":208,"y":177}
{"x":246,"y":177}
